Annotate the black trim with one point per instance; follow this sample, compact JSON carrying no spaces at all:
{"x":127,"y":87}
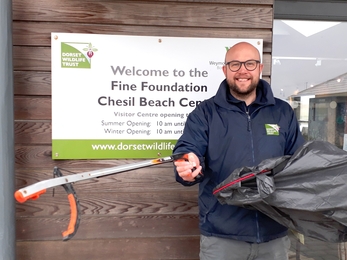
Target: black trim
{"x":319,"y":10}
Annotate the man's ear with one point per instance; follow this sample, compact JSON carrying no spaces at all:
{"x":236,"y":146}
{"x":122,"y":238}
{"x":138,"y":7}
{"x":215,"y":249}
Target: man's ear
{"x":261,"y":66}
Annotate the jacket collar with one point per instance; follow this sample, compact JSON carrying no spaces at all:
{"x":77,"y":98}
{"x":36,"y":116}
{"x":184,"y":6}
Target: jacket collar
{"x":224,"y":99}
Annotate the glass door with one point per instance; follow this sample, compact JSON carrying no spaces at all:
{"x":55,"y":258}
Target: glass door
{"x":309,"y":71}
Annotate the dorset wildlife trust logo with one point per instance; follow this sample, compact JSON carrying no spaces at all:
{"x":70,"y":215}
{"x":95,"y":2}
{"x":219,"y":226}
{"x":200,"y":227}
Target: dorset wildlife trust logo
{"x":77,"y":55}
{"x":272,"y":129}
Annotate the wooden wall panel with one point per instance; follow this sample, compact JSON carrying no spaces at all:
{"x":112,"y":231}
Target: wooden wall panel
{"x":145,"y":13}
{"x":32,"y":83}
{"x":38,"y":34}
{"x":33,"y":108}
{"x":122,"y":249}
{"x":28,"y":132}
{"x":142,"y":214}
{"x":30,"y":58}
{"x":109,"y":227}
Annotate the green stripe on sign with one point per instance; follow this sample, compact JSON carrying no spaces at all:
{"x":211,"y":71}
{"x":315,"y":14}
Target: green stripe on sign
{"x":111,"y":149}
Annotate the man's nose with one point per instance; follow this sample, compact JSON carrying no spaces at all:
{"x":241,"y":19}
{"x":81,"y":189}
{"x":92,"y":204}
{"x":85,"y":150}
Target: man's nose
{"x":243,"y":67}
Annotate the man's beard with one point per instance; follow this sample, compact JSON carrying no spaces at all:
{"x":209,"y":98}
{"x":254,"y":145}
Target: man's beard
{"x":235,"y":89}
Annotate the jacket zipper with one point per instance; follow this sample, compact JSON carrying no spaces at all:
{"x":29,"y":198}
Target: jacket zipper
{"x":248,"y":120}
{"x":249,"y":129}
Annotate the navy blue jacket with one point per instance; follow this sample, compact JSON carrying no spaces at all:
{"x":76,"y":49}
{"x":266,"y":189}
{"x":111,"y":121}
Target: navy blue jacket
{"x":225,"y":135}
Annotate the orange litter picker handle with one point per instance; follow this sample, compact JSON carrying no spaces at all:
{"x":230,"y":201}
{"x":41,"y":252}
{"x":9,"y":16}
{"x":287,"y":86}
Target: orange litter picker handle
{"x":75,"y":211}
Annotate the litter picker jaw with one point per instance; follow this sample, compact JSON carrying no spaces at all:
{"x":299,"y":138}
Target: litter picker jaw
{"x":75,"y":211}
{"x":33,"y":192}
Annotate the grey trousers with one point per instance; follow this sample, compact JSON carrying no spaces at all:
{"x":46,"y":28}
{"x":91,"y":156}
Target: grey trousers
{"x":216,"y":248}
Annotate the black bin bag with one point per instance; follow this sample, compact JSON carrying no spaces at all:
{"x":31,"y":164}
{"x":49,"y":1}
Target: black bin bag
{"x":306,"y":192}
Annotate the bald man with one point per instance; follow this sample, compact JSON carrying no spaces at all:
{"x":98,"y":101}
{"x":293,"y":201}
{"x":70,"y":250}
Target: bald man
{"x":229,"y":131}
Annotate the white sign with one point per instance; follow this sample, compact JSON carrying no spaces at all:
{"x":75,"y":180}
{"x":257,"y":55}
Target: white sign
{"x":129,"y":96}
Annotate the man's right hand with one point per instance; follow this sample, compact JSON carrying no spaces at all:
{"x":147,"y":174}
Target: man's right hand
{"x":185,"y":168}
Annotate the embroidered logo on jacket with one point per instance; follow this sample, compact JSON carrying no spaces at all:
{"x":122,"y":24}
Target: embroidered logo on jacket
{"x":272,"y":129}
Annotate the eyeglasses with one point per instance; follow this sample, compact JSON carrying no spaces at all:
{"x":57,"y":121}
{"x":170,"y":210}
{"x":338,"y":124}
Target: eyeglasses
{"x":235,"y":65}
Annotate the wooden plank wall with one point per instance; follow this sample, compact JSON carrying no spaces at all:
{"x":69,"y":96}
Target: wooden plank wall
{"x":143,"y":214}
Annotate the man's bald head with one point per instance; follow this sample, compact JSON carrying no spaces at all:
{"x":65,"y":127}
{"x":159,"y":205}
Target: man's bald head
{"x":243,"y":48}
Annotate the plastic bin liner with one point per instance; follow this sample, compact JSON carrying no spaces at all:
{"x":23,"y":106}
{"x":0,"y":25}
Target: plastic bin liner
{"x":306,"y":192}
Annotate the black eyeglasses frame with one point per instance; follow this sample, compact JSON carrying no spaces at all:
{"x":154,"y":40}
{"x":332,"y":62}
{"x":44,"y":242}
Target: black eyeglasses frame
{"x":242,"y":62}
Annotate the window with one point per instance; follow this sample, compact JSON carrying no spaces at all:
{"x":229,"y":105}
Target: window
{"x":309,"y":70}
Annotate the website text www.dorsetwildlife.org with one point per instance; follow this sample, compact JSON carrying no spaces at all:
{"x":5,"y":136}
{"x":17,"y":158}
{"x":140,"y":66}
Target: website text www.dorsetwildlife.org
{"x":134,"y":147}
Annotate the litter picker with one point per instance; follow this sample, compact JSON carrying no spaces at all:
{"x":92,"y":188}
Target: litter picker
{"x":34,"y":191}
